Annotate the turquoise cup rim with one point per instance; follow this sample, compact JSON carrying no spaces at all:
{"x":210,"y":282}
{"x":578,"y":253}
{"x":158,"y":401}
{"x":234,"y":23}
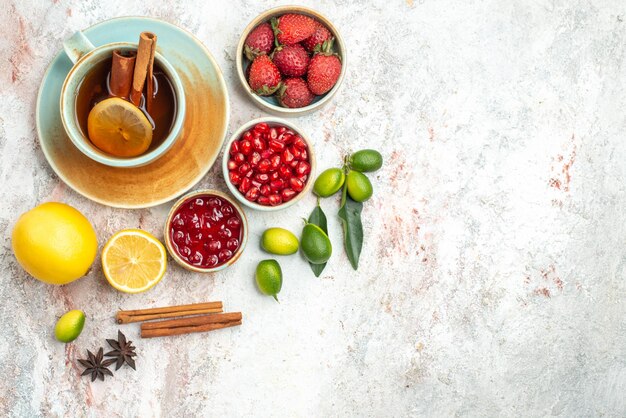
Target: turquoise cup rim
{"x":68,"y":108}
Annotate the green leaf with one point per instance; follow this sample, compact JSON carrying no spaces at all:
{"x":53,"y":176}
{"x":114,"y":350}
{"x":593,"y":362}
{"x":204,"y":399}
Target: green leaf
{"x":350,"y":214}
{"x":318,"y":218}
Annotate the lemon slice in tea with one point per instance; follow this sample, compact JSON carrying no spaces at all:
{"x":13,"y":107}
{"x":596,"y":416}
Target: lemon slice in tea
{"x":133,"y":261}
{"x":119,"y":128}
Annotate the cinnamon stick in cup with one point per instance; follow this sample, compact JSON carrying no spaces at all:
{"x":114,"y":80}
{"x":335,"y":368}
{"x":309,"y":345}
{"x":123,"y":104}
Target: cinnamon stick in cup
{"x":122,"y":68}
{"x":143,"y":66}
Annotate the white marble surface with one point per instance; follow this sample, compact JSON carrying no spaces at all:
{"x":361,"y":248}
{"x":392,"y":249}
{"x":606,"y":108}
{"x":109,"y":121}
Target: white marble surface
{"x":492,"y":277}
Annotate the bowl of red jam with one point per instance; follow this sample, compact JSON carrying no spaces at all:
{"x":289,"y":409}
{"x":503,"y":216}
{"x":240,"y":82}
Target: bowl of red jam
{"x":268,"y":164}
{"x":206,"y":231}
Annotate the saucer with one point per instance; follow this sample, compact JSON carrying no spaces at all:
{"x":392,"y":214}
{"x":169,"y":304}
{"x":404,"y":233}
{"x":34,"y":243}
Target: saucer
{"x":178,"y":170}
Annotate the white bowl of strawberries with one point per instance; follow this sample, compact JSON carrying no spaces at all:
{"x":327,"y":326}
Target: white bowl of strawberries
{"x":268,"y":164}
{"x":291,"y":60}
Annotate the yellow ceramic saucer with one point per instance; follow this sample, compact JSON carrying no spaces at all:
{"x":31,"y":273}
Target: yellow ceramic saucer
{"x":184,"y":164}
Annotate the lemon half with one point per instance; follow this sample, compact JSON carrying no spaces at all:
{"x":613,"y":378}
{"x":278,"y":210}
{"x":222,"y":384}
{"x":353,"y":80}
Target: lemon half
{"x":133,"y":261}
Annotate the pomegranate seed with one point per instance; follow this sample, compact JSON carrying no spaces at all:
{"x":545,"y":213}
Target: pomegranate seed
{"x":256,"y":183}
{"x":297,"y":152}
{"x":234,"y":177}
{"x":234,"y":148}
{"x":288,"y":194}
{"x":275,"y":161}
{"x":264,"y":166}
{"x":254,"y":159}
{"x":232,"y":165}
{"x":296,"y":184}
{"x":252,"y":194}
{"x":276,"y":185}
{"x":244,"y":168}
{"x":303,"y":168}
{"x":239,"y":158}
{"x":262,"y":178}
{"x":256,"y":134}
{"x":294,"y":163}
{"x":299,"y":142}
{"x":287,"y":138}
{"x":276,"y":146}
{"x":302,"y":178}
{"x":285,"y":172}
{"x":275,"y":175}
{"x":249,"y":173}
{"x":258,"y":144}
{"x":273,"y":133}
{"x":261,"y":127}
{"x":287,"y":156}
{"x":263,"y":200}
{"x":265,"y":189}
{"x":246,"y":146}
{"x":281,"y":129}
{"x":305,"y":155}
{"x":267,"y":153}
{"x":245,"y":185}
{"x":275,"y":199}
{"x":247,"y":135}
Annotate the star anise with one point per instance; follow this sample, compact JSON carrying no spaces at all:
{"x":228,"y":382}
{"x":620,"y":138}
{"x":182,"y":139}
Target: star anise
{"x":95,"y":366}
{"x":123,"y":351}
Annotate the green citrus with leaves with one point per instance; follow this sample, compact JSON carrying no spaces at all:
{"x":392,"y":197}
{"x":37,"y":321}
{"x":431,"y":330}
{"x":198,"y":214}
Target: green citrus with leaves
{"x":366,"y":160}
{"x":359,"y":187}
{"x":329,"y":182}
{"x":315,"y":245}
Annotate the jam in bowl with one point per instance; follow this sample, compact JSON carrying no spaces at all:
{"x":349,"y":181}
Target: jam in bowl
{"x":206,"y":231}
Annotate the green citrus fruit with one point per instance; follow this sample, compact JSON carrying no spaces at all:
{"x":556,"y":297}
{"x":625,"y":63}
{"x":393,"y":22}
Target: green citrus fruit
{"x":69,"y":326}
{"x":315,"y":244}
{"x":359,"y":186}
{"x":269,"y":277}
{"x":279,"y":241}
{"x":329,"y":182}
{"x":366,"y":160}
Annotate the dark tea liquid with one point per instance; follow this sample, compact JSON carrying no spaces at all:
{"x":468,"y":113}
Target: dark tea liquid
{"x":94,"y":88}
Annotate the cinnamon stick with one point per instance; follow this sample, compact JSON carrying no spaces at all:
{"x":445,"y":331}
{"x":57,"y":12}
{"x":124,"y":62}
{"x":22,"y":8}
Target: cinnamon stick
{"x":143,"y":65}
{"x":124,"y":317}
{"x":218,"y":318}
{"x":122,"y":68}
{"x":164,"y":332}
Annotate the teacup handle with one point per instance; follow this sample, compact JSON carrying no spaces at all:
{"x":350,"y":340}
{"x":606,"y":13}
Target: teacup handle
{"x":77,"y":46}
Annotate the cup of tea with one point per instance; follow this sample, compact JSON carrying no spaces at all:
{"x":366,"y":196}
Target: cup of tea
{"x":89,"y":83}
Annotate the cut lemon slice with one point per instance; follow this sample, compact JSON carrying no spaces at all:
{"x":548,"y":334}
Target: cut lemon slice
{"x":119,"y":128}
{"x":133,"y":261}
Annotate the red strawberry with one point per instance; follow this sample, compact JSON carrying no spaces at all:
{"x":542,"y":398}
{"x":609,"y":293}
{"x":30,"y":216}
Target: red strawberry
{"x":324,"y":70}
{"x":295,"y":93}
{"x":293,"y":28}
{"x":315,"y":42}
{"x":264,"y":77}
{"x":291,"y":60}
{"x":259,"y":41}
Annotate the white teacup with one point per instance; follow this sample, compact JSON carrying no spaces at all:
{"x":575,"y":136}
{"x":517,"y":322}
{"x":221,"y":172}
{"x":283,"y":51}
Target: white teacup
{"x":85,"y":57}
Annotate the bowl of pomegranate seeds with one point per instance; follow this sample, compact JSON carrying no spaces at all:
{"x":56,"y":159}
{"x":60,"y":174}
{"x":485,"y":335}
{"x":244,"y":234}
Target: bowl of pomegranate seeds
{"x":206,"y":231}
{"x":268,"y":164}
{"x":291,"y":60}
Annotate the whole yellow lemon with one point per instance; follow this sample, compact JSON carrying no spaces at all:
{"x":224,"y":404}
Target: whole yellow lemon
{"x":54,"y":243}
